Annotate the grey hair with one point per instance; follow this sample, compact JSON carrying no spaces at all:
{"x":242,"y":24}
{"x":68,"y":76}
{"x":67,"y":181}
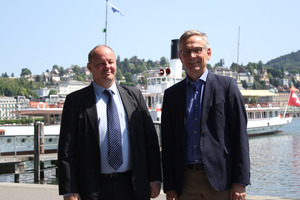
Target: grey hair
{"x":191,"y":33}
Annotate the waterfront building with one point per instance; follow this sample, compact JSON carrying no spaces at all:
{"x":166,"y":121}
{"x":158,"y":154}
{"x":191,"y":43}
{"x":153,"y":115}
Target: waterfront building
{"x":10,"y":104}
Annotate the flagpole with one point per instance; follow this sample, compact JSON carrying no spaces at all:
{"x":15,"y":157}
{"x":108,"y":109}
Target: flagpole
{"x":285,"y":110}
{"x":106,"y":24}
{"x":287,"y":104}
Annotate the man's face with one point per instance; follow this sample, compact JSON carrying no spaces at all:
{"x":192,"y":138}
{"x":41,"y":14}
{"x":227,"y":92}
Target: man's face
{"x":194,"y":56}
{"x":103,"y":66}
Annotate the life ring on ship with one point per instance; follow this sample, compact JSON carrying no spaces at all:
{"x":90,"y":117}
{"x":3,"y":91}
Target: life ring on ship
{"x":41,"y":104}
{"x":258,"y":105}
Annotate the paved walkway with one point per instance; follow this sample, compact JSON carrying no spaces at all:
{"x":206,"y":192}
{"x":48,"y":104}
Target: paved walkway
{"x":16,"y":191}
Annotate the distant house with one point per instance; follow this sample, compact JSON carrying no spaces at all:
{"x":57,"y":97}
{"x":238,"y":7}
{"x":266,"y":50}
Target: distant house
{"x":65,"y":88}
{"x":223,"y":71}
{"x":42,"y":92}
{"x":246,"y":77}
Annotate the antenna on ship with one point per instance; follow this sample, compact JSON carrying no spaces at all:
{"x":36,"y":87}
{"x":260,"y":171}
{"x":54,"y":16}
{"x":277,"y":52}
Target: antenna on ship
{"x":238,"y":48}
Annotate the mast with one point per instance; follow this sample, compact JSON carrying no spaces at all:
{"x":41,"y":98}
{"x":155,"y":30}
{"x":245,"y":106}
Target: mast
{"x":238,"y":49}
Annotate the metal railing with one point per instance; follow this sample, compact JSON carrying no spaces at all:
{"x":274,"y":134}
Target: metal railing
{"x":24,"y":143}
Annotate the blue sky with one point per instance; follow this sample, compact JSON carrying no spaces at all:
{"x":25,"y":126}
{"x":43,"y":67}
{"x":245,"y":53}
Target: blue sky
{"x":38,"y":34}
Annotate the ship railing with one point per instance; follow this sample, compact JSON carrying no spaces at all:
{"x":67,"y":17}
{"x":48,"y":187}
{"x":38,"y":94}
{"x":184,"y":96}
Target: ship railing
{"x":261,"y":105}
{"x":24,"y":143}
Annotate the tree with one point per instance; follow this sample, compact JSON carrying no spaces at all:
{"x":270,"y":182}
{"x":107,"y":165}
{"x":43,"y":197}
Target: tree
{"x":244,"y":84}
{"x":25,"y":72}
{"x":4,"y":75}
{"x":61,"y":71}
{"x":163,"y":61}
{"x":119,"y":75}
{"x":128,"y":77}
{"x":75,"y":69}
{"x":38,"y":78}
{"x":52,"y":92}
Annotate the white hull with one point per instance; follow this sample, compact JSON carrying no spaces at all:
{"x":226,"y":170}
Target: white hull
{"x":265,"y":126}
{"x":20,"y":139}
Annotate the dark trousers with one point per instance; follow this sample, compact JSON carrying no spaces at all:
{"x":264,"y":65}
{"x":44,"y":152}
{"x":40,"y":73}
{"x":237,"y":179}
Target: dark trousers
{"x":118,"y":188}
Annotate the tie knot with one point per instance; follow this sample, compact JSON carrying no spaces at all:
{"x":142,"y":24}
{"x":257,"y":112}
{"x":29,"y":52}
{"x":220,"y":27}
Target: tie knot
{"x":108,"y":92}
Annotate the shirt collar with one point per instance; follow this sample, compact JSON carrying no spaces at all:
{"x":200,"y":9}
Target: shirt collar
{"x":98,"y":89}
{"x":203,"y":78}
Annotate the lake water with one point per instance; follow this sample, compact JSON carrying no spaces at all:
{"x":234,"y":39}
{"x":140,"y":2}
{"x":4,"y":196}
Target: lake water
{"x":275,"y":164}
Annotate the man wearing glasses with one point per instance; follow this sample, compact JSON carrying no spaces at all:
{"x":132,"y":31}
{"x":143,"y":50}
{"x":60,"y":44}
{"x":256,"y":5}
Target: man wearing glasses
{"x":205,"y":145}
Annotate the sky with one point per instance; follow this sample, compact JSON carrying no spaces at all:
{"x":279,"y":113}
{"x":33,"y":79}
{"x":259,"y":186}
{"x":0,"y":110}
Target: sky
{"x":37,"y":34}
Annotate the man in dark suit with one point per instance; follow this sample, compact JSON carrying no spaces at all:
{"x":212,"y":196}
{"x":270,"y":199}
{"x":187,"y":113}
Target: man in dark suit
{"x":205,"y":145}
{"x":86,"y":171}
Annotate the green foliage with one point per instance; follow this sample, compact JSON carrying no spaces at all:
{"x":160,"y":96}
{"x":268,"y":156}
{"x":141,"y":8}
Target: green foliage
{"x":25,"y":72}
{"x":20,"y":121}
{"x":52,"y":92}
{"x":17,"y":87}
{"x":289,"y":61}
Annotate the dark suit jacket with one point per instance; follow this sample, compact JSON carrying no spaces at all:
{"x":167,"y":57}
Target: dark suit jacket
{"x":223,"y":133}
{"x":79,"y":150}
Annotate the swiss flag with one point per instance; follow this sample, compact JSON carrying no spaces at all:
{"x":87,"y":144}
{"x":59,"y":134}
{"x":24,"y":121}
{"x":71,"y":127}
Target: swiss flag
{"x":293,"y":100}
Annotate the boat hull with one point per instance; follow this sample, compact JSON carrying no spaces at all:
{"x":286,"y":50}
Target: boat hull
{"x":266,"y":126}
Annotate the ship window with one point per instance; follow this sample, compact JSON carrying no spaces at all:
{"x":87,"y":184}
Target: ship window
{"x":153,"y":81}
{"x":250,"y":115}
{"x":265,"y":115}
{"x":257,"y":115}
{"x":158,"y":80}
{"x":276,"y":113}
{"x":270,"y":114}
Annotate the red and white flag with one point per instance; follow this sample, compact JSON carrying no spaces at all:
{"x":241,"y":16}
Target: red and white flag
{"x":293,"y":100}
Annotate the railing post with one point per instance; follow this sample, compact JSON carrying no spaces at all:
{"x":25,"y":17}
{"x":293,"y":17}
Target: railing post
{"x":37,"y":167}
{"x":15,"y":148}
{"x":42,"y":138}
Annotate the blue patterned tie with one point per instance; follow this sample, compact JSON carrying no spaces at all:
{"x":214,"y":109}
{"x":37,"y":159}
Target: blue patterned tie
{"x":115,"y":157}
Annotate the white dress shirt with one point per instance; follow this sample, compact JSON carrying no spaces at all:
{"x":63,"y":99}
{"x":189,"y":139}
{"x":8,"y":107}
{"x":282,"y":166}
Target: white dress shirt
{"x":101,"y":101}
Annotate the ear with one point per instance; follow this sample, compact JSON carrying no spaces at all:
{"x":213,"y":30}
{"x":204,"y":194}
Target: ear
{"x":208,"y":53}
{"x":89,"y":67}
{"x":179,"y":54}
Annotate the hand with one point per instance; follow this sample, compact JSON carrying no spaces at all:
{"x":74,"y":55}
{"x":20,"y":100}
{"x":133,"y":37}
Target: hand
{"x":155,"y":189}
{"x":237,"y":192}
{"x":72,"y":197}
{"x":171,"y":195}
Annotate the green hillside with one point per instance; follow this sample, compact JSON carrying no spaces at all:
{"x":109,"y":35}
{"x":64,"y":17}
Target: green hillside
{"x":288,"y":62}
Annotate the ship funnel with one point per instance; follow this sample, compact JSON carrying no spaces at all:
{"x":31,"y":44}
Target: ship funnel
{"x":174,"y":49}
{"x":175,"y":63}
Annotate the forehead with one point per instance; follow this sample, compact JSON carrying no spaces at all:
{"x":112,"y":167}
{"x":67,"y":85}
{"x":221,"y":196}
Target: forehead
{"x":103,"y":53}
{"x":194,"y":40}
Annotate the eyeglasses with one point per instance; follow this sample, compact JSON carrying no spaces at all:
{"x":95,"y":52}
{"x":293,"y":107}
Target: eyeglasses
{"x":196,"y":51}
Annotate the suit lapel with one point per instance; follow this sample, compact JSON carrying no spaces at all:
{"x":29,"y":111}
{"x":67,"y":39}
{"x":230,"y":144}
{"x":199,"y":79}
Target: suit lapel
{"x":91,"y":110}
{"x":207,"y":95}
{"x":127,"y":101}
